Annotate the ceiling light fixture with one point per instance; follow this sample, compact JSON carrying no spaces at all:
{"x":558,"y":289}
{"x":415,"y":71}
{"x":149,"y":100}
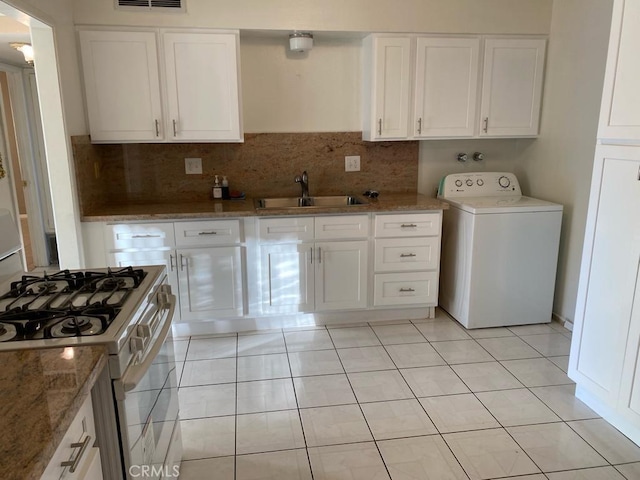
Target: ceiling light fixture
{"x":300,"y":41}
{"x":26,"y":49}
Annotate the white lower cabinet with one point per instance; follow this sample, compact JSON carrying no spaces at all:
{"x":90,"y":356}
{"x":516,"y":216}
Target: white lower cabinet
{"x":210,"y":283}
{"x":406,"y":259}
{"x":76,"y":458}
{"x":313,"y":276}
{"x":206,"y":274}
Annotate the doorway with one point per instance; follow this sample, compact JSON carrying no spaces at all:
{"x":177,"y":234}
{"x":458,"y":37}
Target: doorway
{"x":23,"y":148}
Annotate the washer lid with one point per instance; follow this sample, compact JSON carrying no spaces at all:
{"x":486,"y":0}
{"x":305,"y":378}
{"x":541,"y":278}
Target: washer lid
{"x":503,"y":204}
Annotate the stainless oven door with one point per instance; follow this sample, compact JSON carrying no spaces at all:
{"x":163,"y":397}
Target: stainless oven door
{"x":147,"y":401}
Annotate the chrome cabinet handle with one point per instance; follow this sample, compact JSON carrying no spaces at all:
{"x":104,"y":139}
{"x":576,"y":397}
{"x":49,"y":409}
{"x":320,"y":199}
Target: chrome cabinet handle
{"x":485,"y":128}
{"x":408,"y":225}
{"x":145,"y":236}
{"x":420,"y":126}
{"x":74,"y":463}
{"x":181,"y":262}
{"x":212,"y":232}
{"x":157,"y":128}
{"x":171,"y":261}
{"x":175,"y":131}
{"x":379,"y":126}
{"x":407,"y":290}
{"x":404,"y":255}
{"x":319,"y":254}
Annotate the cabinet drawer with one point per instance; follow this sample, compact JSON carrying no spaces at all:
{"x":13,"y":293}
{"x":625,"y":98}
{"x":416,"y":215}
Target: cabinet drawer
{"x":213,"y":232}
{"x":139,"y":236}
{"x":81,"y":431}
{"x":407,"y":225}
{"x":405,"y":288}
{"x":286,"y":229}
{"x":403,"y":254}
{"x":341,"y":226}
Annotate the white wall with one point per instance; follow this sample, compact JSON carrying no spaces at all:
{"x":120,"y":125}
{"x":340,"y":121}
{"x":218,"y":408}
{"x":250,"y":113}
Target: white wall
{"x":446,"y":16}
{"x":557,"y":166}
{"x":316,"y":91}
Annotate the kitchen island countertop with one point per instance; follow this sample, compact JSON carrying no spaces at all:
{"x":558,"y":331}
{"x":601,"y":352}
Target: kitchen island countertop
{"x":390,"y":202}
{"x":41,"y":391}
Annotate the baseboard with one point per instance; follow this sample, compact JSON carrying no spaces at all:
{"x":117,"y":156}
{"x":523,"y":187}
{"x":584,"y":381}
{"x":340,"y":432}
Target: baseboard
{"x":565,"y":322}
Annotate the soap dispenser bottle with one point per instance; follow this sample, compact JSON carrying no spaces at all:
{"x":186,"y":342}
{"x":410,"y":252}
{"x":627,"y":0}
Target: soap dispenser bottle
{"x":225,"y":188}
{"x":217,"y":189}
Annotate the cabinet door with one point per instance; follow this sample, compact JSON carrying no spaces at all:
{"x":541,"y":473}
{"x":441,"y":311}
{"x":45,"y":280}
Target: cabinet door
{"x":446,"y":87}
{"x":210,"y":281}
{"x":511,"y":87}
{"x":202,"y":86}
{"x":341,"y":275}
{"x":620,"y":115}
{"x":287,"y":278}
{"x":612,"y":253}
{"x":122,"y":85}
{"x":391,"y":83}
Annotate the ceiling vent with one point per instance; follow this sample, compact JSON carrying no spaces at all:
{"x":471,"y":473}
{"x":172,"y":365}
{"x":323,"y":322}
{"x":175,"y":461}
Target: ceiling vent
{"x":151,"y":5}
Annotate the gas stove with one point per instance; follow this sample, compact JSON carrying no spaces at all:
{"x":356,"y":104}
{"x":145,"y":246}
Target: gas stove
{"x":69,"y":308}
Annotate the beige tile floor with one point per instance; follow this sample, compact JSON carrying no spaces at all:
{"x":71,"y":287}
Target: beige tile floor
{"x":410,"y":400}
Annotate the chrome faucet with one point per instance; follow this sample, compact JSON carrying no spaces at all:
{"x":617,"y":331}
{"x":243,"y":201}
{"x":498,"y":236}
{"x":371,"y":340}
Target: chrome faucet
{"x":303,"y":180}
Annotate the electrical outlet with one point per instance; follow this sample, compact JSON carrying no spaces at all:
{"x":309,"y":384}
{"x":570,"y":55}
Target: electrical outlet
{"x":352,"y":163}
{"x":193,"y":166}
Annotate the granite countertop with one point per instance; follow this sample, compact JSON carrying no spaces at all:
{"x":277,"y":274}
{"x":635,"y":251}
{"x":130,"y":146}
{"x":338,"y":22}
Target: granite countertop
{"x":391,"y":202}
{"x":41,"y":391}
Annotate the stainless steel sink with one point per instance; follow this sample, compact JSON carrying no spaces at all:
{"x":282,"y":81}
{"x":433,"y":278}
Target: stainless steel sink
{"x":308,"y":202}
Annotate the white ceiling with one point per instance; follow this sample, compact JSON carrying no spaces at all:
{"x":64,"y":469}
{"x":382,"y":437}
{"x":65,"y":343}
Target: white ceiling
{"x":12,"y":31}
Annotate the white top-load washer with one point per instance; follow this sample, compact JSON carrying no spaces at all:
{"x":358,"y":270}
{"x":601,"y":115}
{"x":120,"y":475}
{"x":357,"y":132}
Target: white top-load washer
{"x":499,"y":251}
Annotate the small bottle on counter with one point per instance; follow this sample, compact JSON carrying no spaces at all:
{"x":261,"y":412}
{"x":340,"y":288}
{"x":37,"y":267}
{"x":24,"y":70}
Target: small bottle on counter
{"x":225,"y":188}
{"x":217,"y":189}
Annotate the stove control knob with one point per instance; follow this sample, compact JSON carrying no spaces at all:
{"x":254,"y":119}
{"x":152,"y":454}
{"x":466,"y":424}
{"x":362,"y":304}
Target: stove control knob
{"x":480,"y":182}
{"x":136,"y":344}
{"x":458,"y":183}
{"x":469,"y":182}
{"x":144,"y":331}
{"x":504,"y":182}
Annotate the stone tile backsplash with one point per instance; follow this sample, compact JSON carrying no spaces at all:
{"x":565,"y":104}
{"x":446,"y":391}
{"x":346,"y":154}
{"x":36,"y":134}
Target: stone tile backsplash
{"x":263,"y":166}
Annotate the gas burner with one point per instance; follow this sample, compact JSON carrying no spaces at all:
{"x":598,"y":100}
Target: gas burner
{"x":122,"y":279}
{"x":61,"y":279}
{"x":7,"y":332}
{"x":79,"y":325}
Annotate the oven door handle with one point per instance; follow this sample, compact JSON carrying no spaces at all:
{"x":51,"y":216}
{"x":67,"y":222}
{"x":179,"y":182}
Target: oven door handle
{"x":133,"y":375}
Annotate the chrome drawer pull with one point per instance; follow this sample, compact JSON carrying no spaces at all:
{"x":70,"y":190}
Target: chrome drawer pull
{"x":408,"y":225}
{"x":403,"y":255}
{"x":145,"y":236}
{"x":208,"y":233}
{"x":74,"y":463}
{"x":407,"y":290}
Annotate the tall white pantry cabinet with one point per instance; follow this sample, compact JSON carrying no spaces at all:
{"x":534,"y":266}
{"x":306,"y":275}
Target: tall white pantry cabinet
{"x":606,"y":341}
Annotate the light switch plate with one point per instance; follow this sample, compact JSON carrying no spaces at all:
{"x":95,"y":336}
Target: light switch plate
{"x":193,"y":166}
{"x":352,"y":163}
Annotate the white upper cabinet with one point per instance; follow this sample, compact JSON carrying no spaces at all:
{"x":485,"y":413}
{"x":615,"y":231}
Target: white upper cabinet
{"x":121,"y":109}
{"x":199,"y":100}
{"x":202,"y":86}
{"x":387,"y":82}
{"x":446,"y":87}
{"x":420,"y":87}
{"x":620,"y":110}
{"x":511,"y":87}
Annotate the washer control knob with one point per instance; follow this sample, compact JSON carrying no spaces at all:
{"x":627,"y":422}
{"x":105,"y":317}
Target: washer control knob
{"x":504,"y":182}
{"x":480,"y":182}
{"x":462,"y":157}
{"x":469,"y":182}
{"x":458,"y":183}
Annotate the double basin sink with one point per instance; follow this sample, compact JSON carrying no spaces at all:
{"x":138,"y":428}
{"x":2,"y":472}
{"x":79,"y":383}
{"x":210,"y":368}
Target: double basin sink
{"x":323,"y":201}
